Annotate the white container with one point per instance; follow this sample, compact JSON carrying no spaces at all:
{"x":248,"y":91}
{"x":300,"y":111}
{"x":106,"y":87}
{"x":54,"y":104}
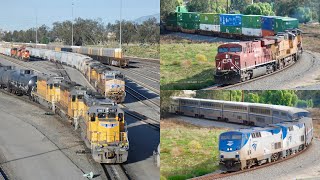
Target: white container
{"x":210,"y":27}
{"x":252,"y":32}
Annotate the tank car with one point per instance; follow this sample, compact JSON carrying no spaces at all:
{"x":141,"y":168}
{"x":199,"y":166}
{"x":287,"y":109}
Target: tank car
{"x":20,"y":82}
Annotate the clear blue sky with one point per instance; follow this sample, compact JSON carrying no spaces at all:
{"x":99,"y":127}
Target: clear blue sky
{"x":21,"y":14}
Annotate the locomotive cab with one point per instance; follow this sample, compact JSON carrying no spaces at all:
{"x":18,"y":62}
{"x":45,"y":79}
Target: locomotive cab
{"x":230,"y":144}
{"x":107,"y":133}
{"x":114,"y":85}
{"x":228,"y":63}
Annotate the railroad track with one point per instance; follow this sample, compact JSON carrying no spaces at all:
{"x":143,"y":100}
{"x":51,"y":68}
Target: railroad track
{"x":222,"y":87}
{"x":143,"y":99}
{"x":115,"y":172}
{"x":226,"y":174}
{"x":62,"y":71}
{"x":144,"y":76}
{"x":3,"y":175}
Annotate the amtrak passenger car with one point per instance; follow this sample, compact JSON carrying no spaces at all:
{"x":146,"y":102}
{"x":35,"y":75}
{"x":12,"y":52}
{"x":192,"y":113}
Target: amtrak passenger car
{"x":244,"y":148}
{"x":254,"y":114}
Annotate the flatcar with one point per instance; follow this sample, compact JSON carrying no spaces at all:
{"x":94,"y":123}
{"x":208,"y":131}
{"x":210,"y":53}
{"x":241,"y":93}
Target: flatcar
{"x":238,"y":62}
{"x":253,"y":114}
{"x":102,"y":121}
{"x":241,"y":149}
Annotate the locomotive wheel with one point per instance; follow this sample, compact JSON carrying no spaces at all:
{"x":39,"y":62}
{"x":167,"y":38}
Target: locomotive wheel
{"x":274,"y":157}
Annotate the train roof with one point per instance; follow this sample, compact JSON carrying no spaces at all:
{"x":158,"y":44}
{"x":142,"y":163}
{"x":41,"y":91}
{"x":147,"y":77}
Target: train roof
{"x":291,"y":110}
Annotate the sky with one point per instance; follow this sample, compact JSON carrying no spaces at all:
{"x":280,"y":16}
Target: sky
{"x":21,"y":15}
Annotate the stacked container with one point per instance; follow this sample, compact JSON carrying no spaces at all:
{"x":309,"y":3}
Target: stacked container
{"x":190,"y":20}
{"x":251,"y":25}
{"x":268,"y":25}
{"x":284,"y":23}
{"x":210,"y":22}
{"x":231,"y":23}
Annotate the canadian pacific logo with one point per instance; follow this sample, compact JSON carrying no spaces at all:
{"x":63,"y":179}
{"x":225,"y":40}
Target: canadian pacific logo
{"x":108,"y":125}
{"x":230,"y":143}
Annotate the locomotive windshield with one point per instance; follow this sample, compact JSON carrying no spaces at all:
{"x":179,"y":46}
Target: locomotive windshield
{"x":300,"y":115}
{"x":228,"y":136}
{"x":231,"y":49}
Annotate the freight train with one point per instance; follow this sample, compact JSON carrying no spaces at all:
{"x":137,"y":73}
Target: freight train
{"x":109,"y":56}
{"x":238,"y":26}
{"x":282,"y":130}
{"x":241,"y":61}
{"x":108,"y":82}
{"x":102,"y":122}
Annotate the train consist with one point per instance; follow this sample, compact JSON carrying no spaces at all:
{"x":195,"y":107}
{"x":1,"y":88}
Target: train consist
{"x":238,"y":26}
{"x":102,"y":122}
{"x":109,"y":56}
{"x":241,"y":61}
{"x":108,"y":82}
{"x":282,"y":130}
{"x":274,"y":42}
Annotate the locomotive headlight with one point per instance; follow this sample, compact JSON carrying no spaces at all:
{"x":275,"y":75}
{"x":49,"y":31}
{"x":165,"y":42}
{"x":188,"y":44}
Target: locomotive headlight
{"x":237,"y":152}
{"x":232,"y":67}
{"x":219,"y":68}
{"x":227,"y":56}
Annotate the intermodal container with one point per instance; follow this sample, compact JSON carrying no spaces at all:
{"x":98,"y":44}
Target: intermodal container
{"x":210,"y":27}
{"x":252,"y":32}
{"x":251,"y":21}
{"x":209,"y":18}
{"x":231,"y":19}
{"x":267,"y":33}
{"x":191,"y":26}
{"x":231,"y":29}
{"x":284,"y":23}
{"x":191,"y":17}
{"x":268,"y":22}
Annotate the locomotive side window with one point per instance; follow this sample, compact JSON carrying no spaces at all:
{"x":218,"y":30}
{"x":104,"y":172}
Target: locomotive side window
{"x":223,"y":49}
{"x":73,"y":98}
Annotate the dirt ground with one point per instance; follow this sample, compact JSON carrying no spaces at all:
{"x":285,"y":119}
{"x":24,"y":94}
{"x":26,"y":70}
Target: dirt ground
{"x":315,"y":113}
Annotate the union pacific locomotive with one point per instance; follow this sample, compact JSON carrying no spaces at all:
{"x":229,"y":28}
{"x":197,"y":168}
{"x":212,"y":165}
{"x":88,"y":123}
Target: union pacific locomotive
{"x":102,"y":122}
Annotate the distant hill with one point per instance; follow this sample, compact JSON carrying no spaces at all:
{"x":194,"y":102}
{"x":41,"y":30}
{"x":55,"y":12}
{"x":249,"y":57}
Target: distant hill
{"x":144,"y":18}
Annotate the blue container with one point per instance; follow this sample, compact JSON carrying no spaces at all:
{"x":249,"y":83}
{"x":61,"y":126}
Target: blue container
{"x":231,"y":19}
{"x":268,"y":22}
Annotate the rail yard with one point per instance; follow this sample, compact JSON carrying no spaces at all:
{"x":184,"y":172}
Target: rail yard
{"x":141,"y":109}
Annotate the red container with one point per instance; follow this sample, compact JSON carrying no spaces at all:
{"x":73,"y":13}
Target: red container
{"x":267,"y":33}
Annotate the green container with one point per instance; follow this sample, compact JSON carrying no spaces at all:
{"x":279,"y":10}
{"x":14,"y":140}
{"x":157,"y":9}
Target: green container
{"x":172,"y":23}
{"x":251,"y":21}
{"x":179,"y":17}
{"x":191,"y":26}
{"x":231,"y":29}
{"x":182,"y":9}
{"x":190,"y":17}
{"x":284,"y":23}
{"x":210,"y":18}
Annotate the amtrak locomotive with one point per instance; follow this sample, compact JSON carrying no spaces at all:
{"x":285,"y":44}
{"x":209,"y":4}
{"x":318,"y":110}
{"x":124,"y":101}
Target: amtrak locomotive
{"x":244,"y":148}
{"x":282,"y":130}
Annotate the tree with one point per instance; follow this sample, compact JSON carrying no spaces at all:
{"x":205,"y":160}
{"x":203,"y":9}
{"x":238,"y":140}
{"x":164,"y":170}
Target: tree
{"x":304,"y":15}
{"x":198,"y":6}
{"x":259,"y":9}
{"x":168,"y":6}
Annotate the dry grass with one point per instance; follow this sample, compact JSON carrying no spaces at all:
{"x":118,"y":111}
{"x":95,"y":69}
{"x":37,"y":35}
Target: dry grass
{"x":186,"y":150}
{"x":315,"y":113}
{"x":311,"y":37}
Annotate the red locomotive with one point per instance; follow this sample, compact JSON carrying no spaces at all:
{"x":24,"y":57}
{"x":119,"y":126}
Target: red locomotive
{"x":241,"y":61}
{"x":20,"y":53}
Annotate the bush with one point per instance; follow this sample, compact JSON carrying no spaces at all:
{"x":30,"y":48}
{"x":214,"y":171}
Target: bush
{"x":201,"y":57}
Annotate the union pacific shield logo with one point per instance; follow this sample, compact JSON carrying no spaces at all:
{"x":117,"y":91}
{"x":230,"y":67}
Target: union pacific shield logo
{"x":108,"y":125}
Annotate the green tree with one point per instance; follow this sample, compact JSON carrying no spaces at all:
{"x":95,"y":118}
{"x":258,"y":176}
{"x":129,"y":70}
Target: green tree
{"x":168,"y":6}
{"x":252,"y":97}
{"x":304,"y":15}
{"x":259,"y":9}
{"x":199,"y":6}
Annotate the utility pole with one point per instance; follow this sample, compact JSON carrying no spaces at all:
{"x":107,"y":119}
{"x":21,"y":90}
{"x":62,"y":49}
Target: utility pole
{"x":242,"y":94}
{"x":227,"y":6}
{"x":36,"y":27}
{"x":72,"y":26}
{"x":120,"y":24}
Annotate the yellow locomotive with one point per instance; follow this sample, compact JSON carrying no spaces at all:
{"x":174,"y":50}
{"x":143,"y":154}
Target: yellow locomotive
{"x":102,"y":122}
